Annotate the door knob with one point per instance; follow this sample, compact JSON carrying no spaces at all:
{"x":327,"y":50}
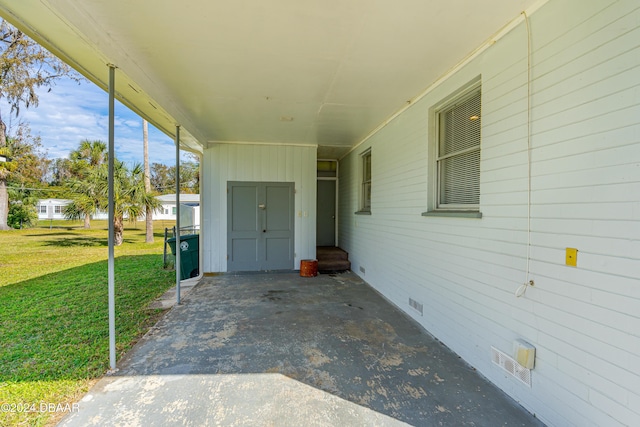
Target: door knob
{"x":264,"y":231}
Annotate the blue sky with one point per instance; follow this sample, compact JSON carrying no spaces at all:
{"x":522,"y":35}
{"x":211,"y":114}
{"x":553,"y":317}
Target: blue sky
{"x":71,"y":112}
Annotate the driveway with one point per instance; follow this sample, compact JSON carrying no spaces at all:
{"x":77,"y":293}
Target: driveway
{"x":281,"y":350}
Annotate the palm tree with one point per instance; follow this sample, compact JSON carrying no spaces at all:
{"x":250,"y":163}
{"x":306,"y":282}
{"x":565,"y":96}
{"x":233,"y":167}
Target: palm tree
{"x":85,"y":201}
{"x":85,"y":160}
{"x":131,"y":199}
{"x":90,"y":153}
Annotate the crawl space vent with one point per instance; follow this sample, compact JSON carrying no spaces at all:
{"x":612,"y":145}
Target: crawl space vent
{"x":415,"y":305}
{"x":512,"y":367}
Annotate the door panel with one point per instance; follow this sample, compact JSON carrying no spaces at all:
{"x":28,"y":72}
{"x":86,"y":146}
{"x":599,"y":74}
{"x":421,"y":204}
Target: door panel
{"x":244,"y":251}
{"x":278,"y":254}
{"x":278,"y":219}
{"x":244,"y":232}
{"x":260,"y":226}
{"x":326,"y":213}
{"x":279,"y":224}
{"x":244,"y":200}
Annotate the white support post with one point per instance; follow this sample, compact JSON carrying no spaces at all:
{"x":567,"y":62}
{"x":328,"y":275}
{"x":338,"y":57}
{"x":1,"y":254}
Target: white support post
{"x":178,"y":250}
{"x":111,"y":264}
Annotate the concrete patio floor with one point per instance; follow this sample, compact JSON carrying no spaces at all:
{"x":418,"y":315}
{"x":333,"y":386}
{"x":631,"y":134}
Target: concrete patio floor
{"x":281,"y":350}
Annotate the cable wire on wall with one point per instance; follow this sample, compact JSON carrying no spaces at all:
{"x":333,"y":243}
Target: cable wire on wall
{"x":522,"y":289}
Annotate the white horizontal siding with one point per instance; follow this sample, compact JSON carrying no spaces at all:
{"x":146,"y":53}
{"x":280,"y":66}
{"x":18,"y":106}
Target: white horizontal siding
{"x":254,"y":162}
{"x":585,"y":193}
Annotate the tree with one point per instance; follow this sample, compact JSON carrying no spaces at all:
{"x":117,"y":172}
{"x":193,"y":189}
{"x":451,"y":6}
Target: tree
{"x":22,"y":212}
{"x":25,"y":176}
{"x":160,"y":178}
{"x":25,"y":66}
{"x":83,"y":162}
{"x":31,"y":160}
{"x":189,"y":177}
{"x":85,"y":199}
{"x":6,"y":167}
{"x":59,"y":171}
{"x":163,"y":178}
{"x":89,"y":154}
{"x":130,"y":197}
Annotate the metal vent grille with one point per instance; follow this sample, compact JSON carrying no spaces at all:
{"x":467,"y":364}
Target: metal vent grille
{"x":512,"y":367}
{"x":415,"y":305}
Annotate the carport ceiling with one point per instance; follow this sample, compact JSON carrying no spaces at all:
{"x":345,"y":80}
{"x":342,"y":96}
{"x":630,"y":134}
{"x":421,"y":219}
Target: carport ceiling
{"x":320,"y":72}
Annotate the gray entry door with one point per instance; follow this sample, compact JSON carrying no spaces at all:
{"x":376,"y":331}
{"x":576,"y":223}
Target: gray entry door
{"x":326,"y":209}
{"x":260,"y":224}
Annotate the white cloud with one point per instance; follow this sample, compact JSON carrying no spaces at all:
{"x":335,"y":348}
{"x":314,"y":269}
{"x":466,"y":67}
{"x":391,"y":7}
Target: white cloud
{"x":70,"y":113}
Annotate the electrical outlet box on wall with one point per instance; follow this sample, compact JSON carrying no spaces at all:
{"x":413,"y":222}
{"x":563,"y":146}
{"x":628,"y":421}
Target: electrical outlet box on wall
{"x":524,"y":353}
{"x":571,"y":257}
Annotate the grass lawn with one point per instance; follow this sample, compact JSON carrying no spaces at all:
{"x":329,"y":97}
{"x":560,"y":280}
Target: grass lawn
{"x":54,"y":338}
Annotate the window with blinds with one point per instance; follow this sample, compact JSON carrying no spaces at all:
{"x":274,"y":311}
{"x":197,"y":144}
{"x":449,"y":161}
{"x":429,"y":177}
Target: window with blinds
{"x":366,"y":182}
{"x":458,"y":154}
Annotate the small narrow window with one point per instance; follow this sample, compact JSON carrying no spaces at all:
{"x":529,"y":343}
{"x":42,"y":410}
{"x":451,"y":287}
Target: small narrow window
{"x":57,"y":209}
{"x":365,"y":205}
{"x":43,"y":209}
{"x":173,"y":210}
{"x":458,"y":153}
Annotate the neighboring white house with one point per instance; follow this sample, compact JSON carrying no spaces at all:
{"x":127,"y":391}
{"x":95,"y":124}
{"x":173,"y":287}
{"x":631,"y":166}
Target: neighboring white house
{"x":51,"y":208}
{"x":190,"y":211}
{"x":168,"y":209}
{"x":488,"y":161}
{"x":54,"y":209}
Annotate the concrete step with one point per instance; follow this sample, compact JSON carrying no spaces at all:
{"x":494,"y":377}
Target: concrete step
{"x":332,"y":259}
{"x":333,"y":265}
{"x":331,"y":252}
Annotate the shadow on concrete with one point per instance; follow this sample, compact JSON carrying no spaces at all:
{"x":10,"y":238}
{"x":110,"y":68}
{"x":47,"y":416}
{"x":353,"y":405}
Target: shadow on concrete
{"x":277,"y":349}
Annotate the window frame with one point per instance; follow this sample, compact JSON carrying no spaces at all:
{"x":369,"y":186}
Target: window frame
{"x":365,"y":182}
{"x":434,"y":206}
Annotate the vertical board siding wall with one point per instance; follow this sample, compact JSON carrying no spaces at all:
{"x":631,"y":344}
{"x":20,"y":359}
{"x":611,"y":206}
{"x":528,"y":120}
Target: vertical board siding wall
{"x":585,"y":179}
{"x":245,"y":162}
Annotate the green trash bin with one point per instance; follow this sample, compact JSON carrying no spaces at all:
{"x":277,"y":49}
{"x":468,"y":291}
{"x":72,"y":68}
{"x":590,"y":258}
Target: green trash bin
{"x":189,"y":254}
